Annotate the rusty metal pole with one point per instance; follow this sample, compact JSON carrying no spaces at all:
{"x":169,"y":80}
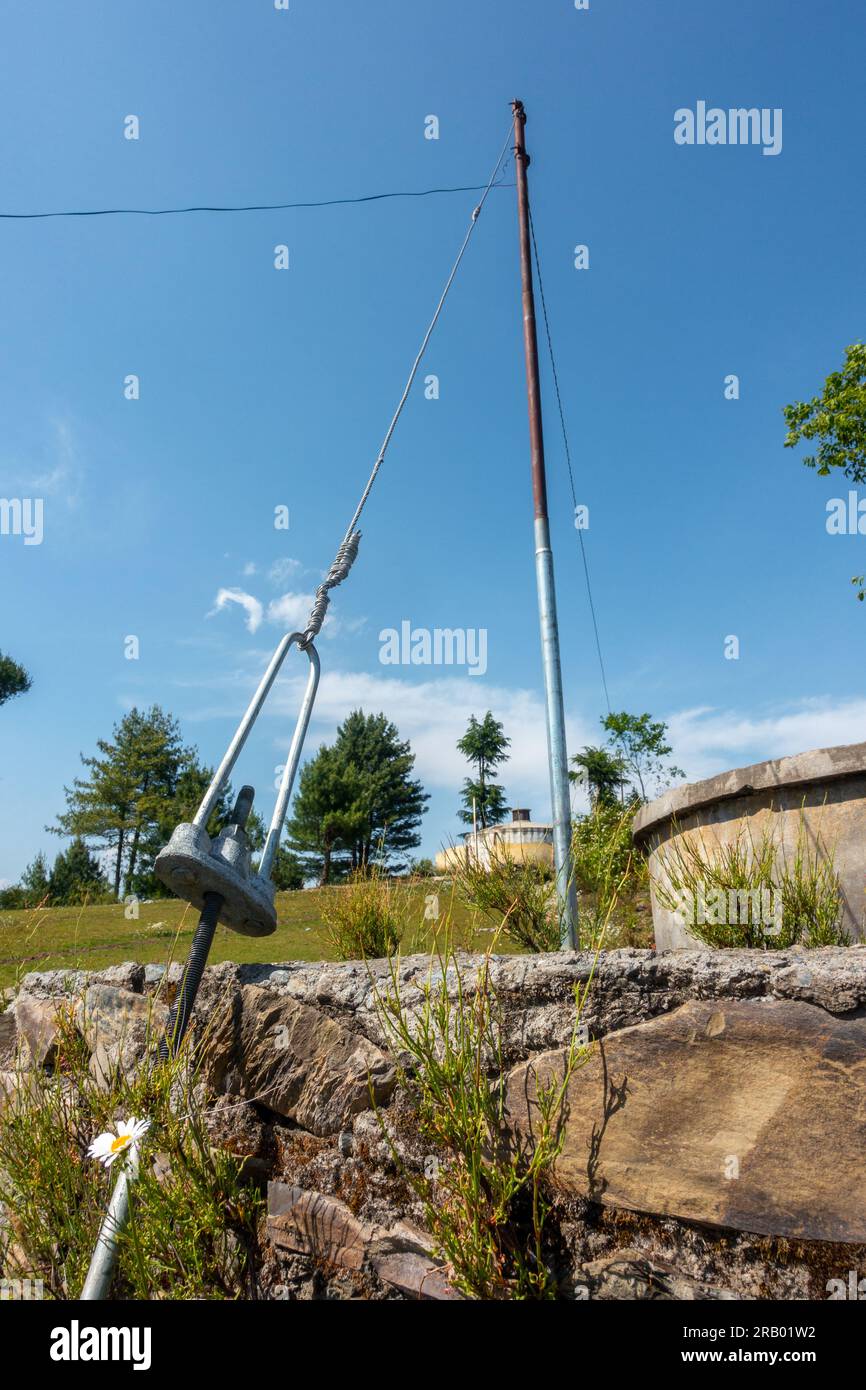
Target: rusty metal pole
{"x":556,"y":747}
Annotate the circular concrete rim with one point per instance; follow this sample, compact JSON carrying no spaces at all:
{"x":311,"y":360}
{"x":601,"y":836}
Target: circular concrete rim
{"x":800,"y":770}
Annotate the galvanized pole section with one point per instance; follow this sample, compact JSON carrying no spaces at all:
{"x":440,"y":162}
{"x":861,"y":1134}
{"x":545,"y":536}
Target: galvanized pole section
{"x":556,"y":750}
{"x":102,"y":1262}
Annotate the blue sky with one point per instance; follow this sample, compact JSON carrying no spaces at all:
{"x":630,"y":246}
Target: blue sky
{"x":262,"y":387}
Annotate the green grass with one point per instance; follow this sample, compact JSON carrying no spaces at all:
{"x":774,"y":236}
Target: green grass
{"x":91,"y":938}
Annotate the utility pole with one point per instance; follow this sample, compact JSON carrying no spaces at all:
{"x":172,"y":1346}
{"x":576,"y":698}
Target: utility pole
{"x":556,"y":749}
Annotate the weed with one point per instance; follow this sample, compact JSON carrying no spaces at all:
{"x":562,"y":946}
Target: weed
{"x":486,"y":1206}
{"x":610,"y":877}
{"x":362,"y":917}
{"x":749,"y":893}
{"x":518,"y":897}
{"x":192,"y":1221}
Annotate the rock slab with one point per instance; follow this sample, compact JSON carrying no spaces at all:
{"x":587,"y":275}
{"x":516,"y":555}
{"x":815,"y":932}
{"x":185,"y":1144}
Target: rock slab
{"x":312,"y":1223}
{"x":743,"y":1114}
{"x":295,"y":1060}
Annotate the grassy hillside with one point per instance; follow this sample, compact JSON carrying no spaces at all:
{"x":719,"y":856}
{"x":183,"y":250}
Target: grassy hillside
{"x":90,"y":938}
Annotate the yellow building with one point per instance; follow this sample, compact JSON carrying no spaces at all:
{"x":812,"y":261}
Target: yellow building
{"x":520,"y":839}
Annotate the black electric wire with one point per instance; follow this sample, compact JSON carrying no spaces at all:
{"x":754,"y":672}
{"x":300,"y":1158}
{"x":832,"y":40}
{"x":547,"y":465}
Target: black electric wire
{"x":246,"y":207}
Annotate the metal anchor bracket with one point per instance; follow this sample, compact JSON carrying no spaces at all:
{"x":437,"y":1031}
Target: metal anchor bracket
{"x":193,"y":865}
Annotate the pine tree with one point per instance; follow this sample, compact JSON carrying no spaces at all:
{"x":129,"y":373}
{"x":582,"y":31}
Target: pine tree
{"x":131,"y":779}
{"x":34,"y":881}
{"x":356,"y":800}
{"x":602,"y":772}
{"x":484,"y":744}
{"x":76,"y":877}
{"x":326,"y":812}
{"x":14,"y":680}
{"x":287,"y":872}
{"x":391,"y":803}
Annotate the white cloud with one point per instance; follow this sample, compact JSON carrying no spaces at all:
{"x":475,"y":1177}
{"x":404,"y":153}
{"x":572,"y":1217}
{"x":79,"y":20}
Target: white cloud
{"x":251,"y":606}
{"x":291,"y":610}
{"x":282,"y":570}
{"x":62,"y":477}
{"x":708,"y":740}
{"x":249,"y":569}
{"x":433,"y":715}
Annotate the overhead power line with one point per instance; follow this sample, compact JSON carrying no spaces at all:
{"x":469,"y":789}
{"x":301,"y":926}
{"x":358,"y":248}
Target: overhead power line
{"x":246,"y":207}
{"x":568,"y":459}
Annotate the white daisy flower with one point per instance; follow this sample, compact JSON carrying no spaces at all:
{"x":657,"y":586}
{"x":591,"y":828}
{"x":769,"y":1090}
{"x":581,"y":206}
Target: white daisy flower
{"x":107,"y":1147}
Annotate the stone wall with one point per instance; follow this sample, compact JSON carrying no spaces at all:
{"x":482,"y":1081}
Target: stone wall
{"x":713,"y":1141}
